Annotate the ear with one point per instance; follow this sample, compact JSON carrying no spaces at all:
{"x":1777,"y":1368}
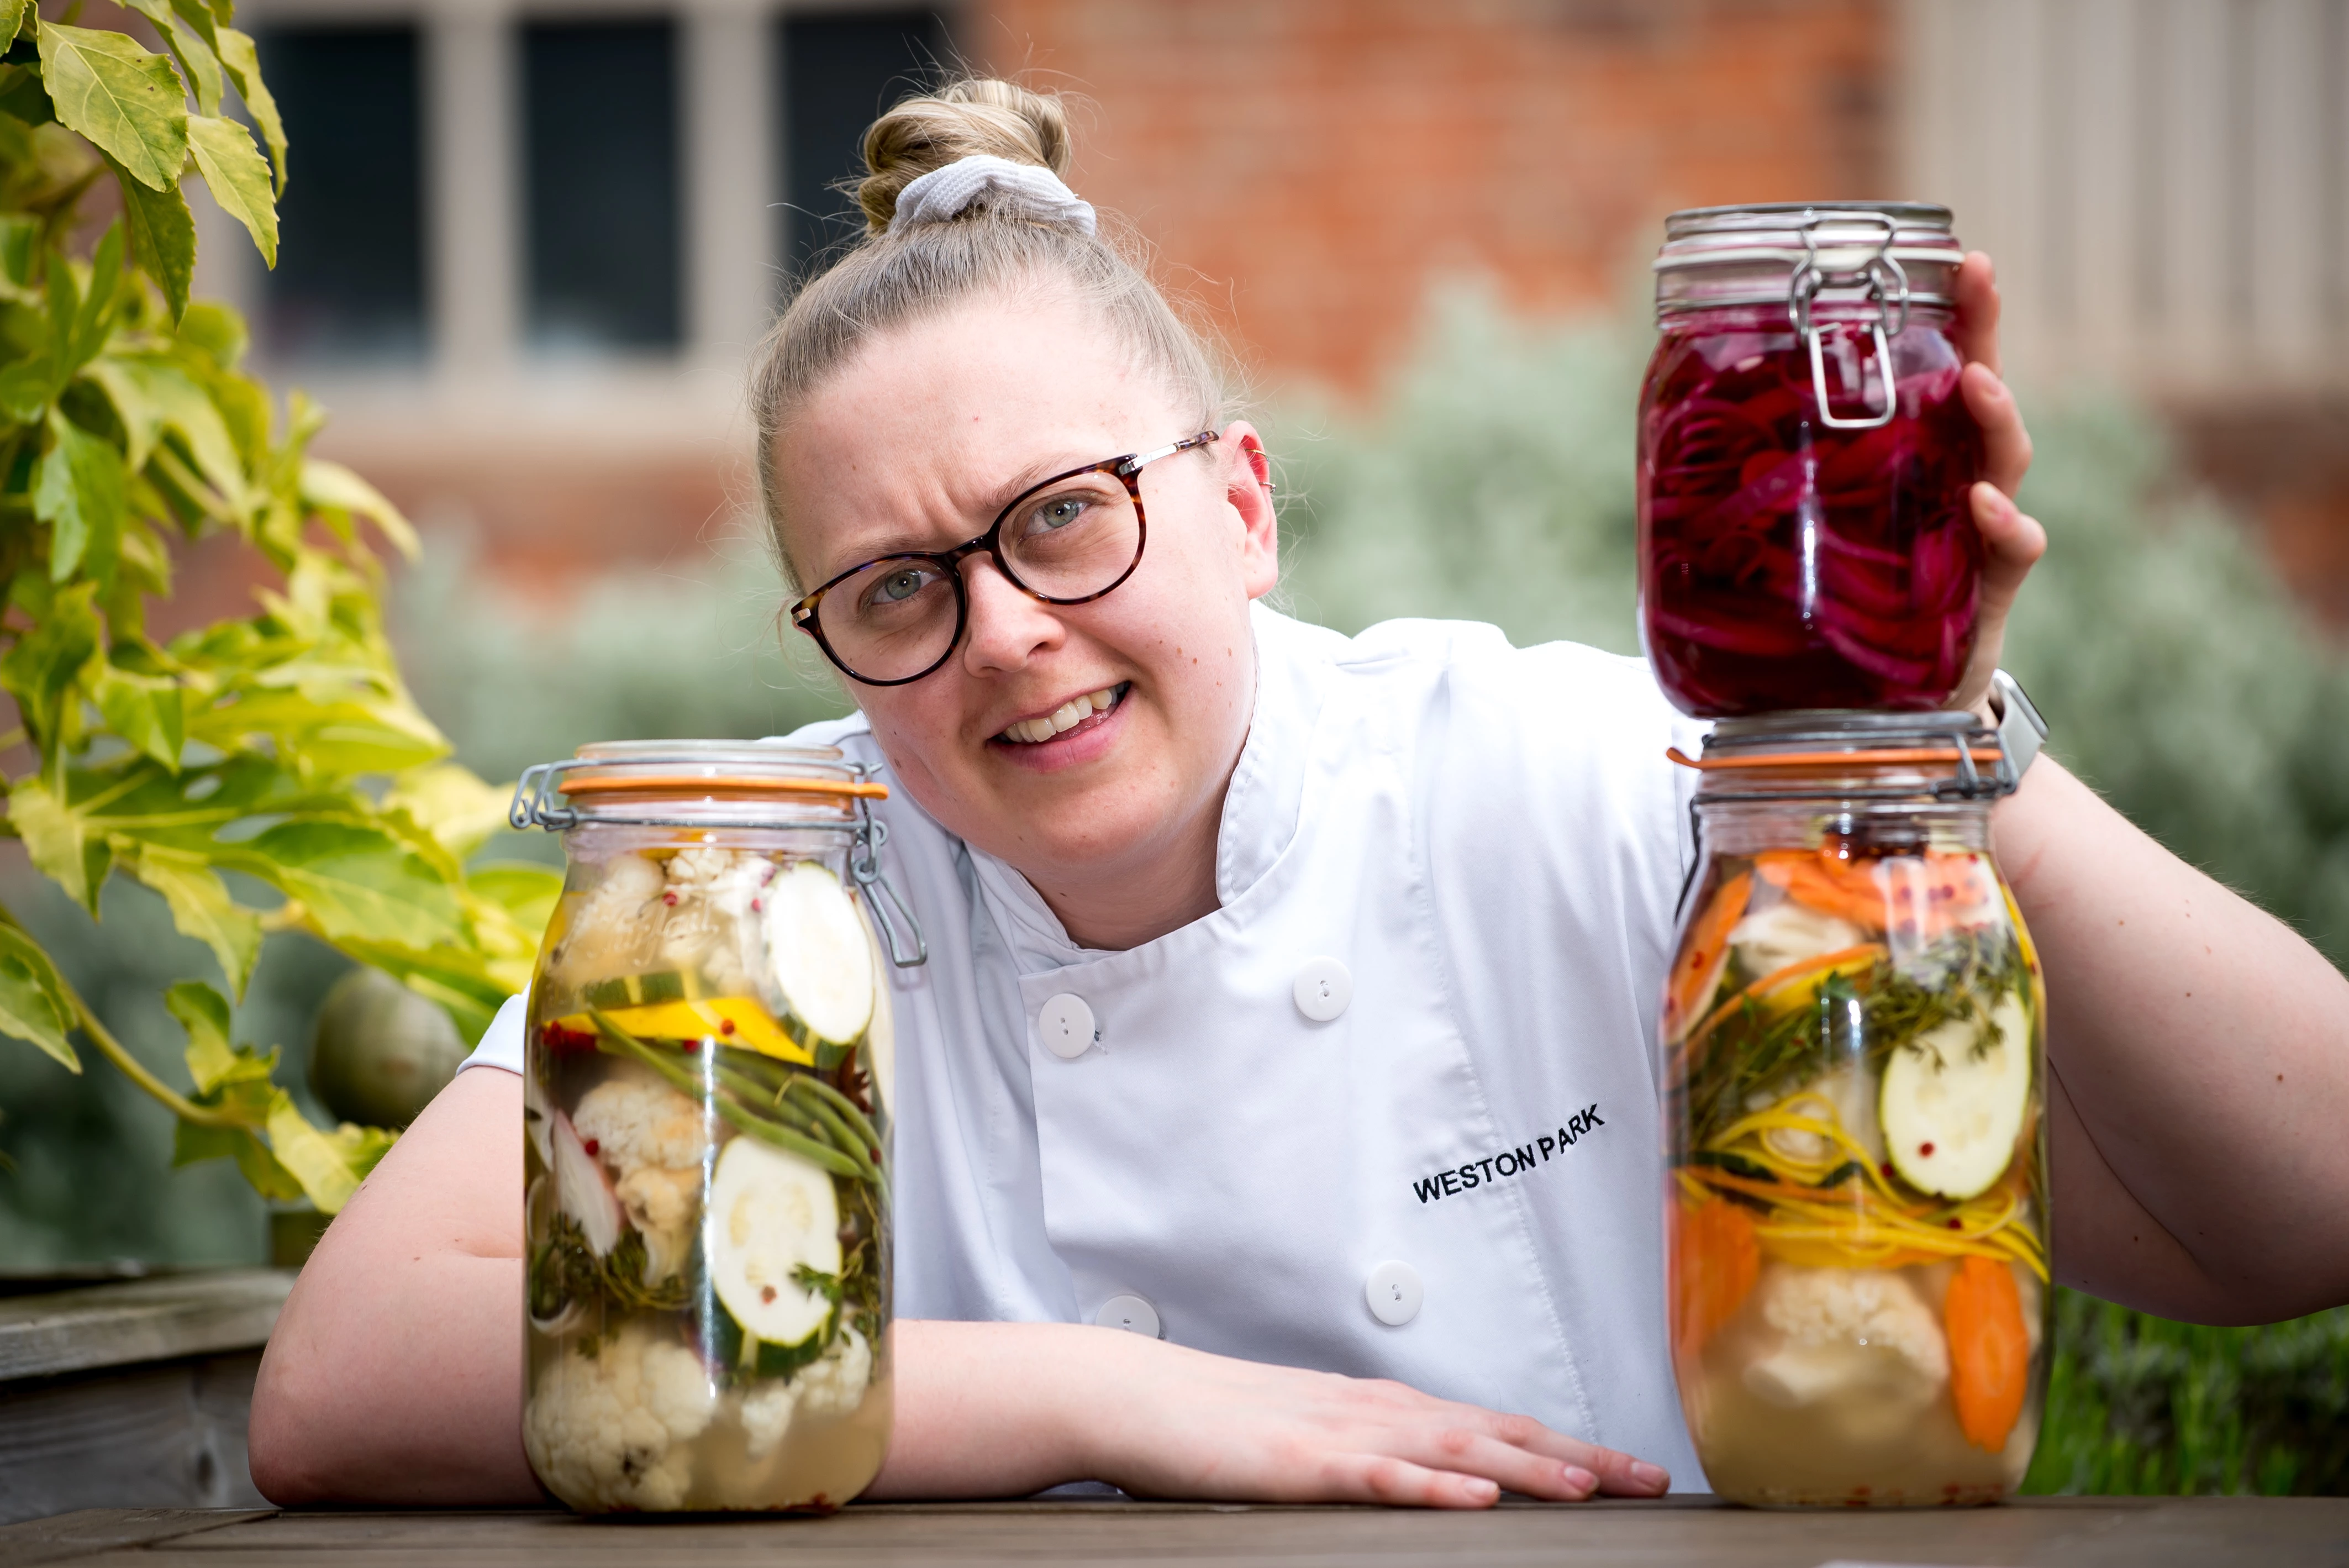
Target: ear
{"x":1247,"y":488}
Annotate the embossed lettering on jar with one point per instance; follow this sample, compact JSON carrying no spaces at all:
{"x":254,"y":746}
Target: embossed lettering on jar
{"x":1805,"y":461}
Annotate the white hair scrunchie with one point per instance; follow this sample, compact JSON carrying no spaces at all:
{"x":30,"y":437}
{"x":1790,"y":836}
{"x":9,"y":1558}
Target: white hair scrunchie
{"x":942,"y":194}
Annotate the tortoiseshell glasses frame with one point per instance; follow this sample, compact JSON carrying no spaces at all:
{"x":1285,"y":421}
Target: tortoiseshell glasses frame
{"x":917,"y":572}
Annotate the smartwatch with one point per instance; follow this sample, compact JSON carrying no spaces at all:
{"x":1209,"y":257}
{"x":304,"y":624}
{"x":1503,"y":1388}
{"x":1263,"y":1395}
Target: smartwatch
{"x":2020,"y":730}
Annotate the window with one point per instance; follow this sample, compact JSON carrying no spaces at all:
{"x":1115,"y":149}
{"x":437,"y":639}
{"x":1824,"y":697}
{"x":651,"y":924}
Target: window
{"x":838,"y":73}
{"x":349,"y":283}
{"x":601,"y":177}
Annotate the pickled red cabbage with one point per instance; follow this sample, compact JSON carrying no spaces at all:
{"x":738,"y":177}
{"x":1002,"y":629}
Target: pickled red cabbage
{"x":1788,"y":565}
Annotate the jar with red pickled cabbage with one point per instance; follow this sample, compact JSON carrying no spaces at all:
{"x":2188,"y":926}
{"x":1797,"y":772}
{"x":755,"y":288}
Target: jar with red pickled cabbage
{"x":1805,"y":460}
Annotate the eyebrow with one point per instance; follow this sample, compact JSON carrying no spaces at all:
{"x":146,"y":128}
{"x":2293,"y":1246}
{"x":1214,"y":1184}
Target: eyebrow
{"x":887,"y":545}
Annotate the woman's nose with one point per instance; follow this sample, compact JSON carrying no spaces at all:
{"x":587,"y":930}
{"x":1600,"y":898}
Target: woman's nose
{"x":1008,"y":625}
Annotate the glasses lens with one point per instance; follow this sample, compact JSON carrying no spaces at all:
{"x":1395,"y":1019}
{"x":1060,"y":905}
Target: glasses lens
{"x":1073,"y":539}
{"x":892,"y":621}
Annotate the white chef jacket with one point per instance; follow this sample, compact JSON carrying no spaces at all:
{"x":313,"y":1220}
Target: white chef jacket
{"x":1490,"y":842}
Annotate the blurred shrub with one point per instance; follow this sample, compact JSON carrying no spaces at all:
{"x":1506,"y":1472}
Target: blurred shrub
{"x":645,"y":653}
{"x":1492,"y":480}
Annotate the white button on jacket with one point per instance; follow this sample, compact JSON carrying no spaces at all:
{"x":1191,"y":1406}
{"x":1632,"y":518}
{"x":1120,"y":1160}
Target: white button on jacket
{"x":1490,"y":842}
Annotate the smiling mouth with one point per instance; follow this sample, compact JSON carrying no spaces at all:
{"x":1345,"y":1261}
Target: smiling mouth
{"x":1077,"y":712}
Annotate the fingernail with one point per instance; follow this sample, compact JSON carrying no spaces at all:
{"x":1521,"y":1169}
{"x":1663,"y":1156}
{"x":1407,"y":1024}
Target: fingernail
{"x":1580,"y":1480}
{"x":1652,"y":1476}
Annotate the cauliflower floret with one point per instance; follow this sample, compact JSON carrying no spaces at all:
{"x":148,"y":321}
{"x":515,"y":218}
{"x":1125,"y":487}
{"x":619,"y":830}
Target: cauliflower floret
{"x":767,"y":1416}
{"x":1862,"y":1340}
{"x":711,"y":892}
{"x":833,"y":1382}
{"x":615,"y":927}
{"x":636,"y":1120}
{"x":831,"y":1385}
{"x":662,"y":1205}
{"x":608,"y":1432}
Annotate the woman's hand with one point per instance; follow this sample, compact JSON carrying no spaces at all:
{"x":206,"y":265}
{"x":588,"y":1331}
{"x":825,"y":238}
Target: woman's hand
{"x":2012,"y":541}
{"x":993,"y":1408}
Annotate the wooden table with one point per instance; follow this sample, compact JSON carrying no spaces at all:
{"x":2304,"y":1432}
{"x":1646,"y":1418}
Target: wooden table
{"x":2107,"y":1532}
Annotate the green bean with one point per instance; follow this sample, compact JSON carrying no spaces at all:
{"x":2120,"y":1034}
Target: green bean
{"x":741,"y":1115}
{"x":840,"y":1103}
{"x":846,"y":1140}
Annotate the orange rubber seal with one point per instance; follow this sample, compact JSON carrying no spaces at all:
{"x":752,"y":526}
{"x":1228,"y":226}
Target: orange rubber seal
{"x":1829,"y":759}
{"x":710,"y":783}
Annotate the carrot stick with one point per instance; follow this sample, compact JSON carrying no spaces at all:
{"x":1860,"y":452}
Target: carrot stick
{"x":1989,"y":1351}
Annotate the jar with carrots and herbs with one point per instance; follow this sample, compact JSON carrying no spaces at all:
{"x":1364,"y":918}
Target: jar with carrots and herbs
{"x":1854,"y":1068}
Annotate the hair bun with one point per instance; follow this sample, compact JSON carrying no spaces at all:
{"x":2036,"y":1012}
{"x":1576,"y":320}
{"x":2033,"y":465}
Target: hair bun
{"x":975,"y":115}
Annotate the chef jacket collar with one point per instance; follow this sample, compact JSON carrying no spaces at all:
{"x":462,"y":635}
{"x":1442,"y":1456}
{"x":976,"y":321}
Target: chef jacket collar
{"x":1260,"y":806}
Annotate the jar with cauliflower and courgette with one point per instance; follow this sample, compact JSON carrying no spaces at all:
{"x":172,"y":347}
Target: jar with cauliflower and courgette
{"x":707,"y":1099}
{"x":1854,"y":1067}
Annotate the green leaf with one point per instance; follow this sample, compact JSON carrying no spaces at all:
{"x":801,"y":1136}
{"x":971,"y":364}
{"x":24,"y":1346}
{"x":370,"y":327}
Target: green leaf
{"x":162,"y":234}
{"x":214,"y":331}
{"x":12,"y":18}
{"x":48,"y":660}
{"x":259,"y":1168}
{"x":199,"y":63}
{"x":78,"y":491}
{"x":238,"y":178}
{"x":244,"y":62}
{"x":450,"y":802}
{"x":144,"y":710}
{"x":201,"y":908}
{"x":203,"y":1013}
{"x":95,"y":320}
{"x":23,"y":96}
{"x":126,"y":101}
{"x":329,"y":1166}
{"x":357,"y":880}
{"x":57,"y":837}
{"x":328,"y":487}
{"x":33,"y":1005}
{"x":153,"y":394}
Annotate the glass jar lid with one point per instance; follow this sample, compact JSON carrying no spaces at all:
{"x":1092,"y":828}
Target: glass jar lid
{"x":696,"y":784}
{"x":1892,"y":254}
{"x":1836,"y":754}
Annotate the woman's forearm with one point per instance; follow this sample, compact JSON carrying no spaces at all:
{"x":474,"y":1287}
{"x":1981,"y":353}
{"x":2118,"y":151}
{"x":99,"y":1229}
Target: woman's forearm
{"x":2201,"y":1053}
{"x":395,"y":1374}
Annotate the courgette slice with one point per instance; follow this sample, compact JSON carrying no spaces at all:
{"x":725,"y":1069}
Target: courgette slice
{"x":771,"y":1215}
{"x":1953,"y":1105}
{"x":819,"y":953}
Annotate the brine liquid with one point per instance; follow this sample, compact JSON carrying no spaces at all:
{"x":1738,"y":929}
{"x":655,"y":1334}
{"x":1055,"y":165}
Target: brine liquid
{"x":1787,"y":565}
{"x":1857,"y":1208}
{"x":708,"y":1218}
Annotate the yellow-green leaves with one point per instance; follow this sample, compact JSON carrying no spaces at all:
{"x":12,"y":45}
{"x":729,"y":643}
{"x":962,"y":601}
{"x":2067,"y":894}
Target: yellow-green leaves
{"x":34,"y":1006}
{"x":279,"y":1151}
{"x":162,"y":234}
{"x":127,"y":100}
{"x":238,"y":178}
{"x":244,"y":62}
{"x":77,"y":489}
{"x":201,"y":907}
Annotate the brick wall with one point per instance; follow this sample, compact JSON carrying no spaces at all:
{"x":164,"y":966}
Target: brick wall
{"x":1304,"y":166}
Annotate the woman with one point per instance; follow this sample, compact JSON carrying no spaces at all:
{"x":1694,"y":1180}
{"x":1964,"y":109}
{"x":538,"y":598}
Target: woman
{"x":1240,"y":929}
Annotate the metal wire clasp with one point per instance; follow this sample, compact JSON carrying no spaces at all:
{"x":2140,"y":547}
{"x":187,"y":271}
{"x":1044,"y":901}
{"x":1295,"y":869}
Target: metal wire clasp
{"x":1887,"y":286}
{"x":864,"y":869}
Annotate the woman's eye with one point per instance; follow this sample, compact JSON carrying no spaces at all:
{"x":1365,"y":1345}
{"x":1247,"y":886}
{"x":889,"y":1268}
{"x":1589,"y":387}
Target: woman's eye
{"x":895,"y":587}
{"x":1057,"y":512}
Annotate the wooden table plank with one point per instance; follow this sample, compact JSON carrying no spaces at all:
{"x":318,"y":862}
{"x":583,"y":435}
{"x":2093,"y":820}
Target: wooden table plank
{"x":88,"y":1530}
{"x":2285,"y":1532}
{"x":159,"y":1319}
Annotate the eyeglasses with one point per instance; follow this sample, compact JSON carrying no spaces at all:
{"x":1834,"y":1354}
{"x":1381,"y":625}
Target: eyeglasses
{"x":1067,"y":541}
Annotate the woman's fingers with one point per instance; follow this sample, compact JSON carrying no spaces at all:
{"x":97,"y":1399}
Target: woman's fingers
{"x":1616,"y":1474}
{"x":2012,"y":543}
{"x":2006,"y":445}
{"x":1978,"y":308}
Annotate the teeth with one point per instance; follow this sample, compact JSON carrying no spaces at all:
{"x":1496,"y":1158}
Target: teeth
{"x":1067,"y":716}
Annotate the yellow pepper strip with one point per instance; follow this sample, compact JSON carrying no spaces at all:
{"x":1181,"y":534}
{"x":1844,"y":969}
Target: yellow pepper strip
{"x":730,"y":1020}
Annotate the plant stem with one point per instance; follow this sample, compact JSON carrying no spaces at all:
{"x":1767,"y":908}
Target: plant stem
{"x":131,"y":1068}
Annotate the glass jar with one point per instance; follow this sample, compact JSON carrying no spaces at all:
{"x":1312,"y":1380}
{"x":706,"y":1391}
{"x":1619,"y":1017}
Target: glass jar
{"x":707,"y":1090}
{"x":1804,"y":456}
{"x":1854,"y":1071}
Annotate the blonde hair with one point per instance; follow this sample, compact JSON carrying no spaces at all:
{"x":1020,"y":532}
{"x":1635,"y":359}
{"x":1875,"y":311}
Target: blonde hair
{"x":888,"y":279}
